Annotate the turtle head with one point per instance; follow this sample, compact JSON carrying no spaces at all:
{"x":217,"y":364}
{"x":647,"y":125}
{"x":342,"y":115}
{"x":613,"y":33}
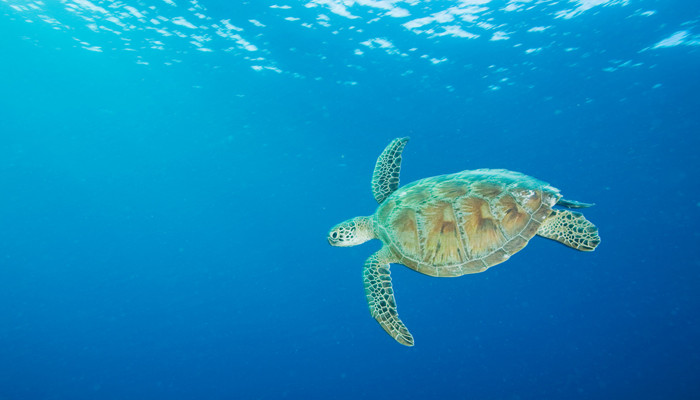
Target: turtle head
{"x":351,"y":232}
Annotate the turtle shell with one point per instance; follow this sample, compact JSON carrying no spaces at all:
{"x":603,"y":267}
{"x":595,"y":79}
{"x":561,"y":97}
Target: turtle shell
{"x":463,"y":223}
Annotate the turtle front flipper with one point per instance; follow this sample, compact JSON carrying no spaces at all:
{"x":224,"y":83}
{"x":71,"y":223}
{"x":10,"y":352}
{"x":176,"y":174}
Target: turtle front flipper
{"x":386,"y":171}
{"x":380,"y":296}
{"x":570,"y":228}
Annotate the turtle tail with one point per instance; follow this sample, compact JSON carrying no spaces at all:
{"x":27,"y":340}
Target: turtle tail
{"x":573,"y":204}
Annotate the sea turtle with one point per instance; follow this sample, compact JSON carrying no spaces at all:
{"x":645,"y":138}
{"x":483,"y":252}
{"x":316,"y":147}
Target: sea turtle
{"x":451,"y":225}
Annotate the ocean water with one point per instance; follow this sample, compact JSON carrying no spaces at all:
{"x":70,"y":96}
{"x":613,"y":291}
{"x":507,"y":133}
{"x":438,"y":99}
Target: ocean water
{"x":169,"y":171}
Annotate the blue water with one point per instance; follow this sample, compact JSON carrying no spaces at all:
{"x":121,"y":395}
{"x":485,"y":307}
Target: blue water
{"x":167,"y":188}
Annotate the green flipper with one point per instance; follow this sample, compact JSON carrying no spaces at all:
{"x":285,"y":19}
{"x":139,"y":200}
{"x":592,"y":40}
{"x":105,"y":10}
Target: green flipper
{"x":573,"y":204}
{"x":386,"y":172}
{"x":570,"y":228}
{"x":380,"y":296}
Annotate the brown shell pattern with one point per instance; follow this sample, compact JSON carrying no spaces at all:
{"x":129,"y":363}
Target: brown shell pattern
{"x":462,"y":223}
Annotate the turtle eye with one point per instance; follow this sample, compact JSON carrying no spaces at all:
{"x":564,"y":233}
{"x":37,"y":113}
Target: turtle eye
{"x":334,"y":235}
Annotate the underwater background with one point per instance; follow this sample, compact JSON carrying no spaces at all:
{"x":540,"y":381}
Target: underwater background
{"x":169,"y":171}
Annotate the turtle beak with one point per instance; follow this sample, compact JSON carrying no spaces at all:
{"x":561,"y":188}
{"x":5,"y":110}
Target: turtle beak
{"x":333,"y":237}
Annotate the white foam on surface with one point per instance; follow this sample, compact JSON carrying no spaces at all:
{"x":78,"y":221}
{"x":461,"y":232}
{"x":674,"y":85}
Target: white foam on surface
{"x":180,"y":26}
{"x":134,"y":12}
{"x":334,"y":6}
{"x":674,"y":40}
{"x":398,"y":12}
{"x":499,"y":36}
{"x":456,"y":31}
{"x":585,"y":5}
{"x":142,"y":26}
{"x":89,"y":6}
{"x":182,"y":22}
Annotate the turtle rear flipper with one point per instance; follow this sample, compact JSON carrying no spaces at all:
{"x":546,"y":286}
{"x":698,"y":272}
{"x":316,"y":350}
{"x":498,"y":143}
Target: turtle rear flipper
{"x":570,"y":228}
{"x":380,"y":296}
{"x":385,"y":179}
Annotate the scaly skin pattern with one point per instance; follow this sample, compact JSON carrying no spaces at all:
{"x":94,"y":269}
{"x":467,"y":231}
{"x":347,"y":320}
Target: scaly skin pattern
{"x":572,"y":229}
{"x":352,"y":232}
{"x":387,"y":169}
{"x":380,"y":296}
